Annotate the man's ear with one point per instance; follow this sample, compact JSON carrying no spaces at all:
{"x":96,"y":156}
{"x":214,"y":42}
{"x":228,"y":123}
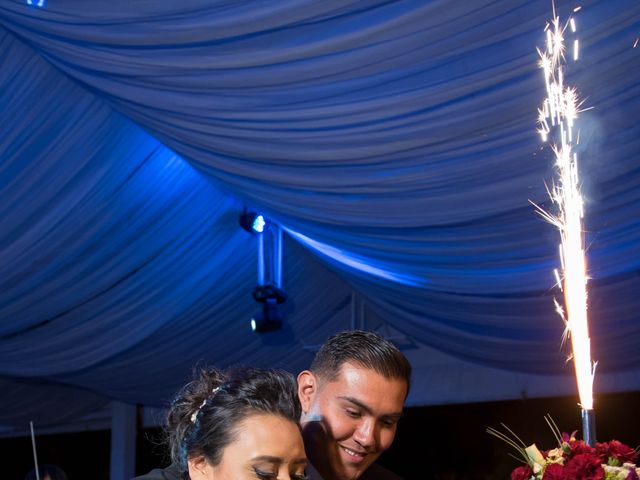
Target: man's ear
{"x":198,"y":468}
{"x":307,"y":388}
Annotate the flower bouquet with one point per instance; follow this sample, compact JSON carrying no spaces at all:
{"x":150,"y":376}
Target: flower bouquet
{"x":572,"y":459}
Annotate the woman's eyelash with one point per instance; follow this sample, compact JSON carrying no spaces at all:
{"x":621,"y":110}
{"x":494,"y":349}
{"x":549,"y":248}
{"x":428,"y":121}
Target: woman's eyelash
{"x":265,"y":475}
{"x":262,"y":475}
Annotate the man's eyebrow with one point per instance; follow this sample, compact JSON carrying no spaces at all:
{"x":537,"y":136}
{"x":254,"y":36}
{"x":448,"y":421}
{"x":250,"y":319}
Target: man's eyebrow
{"x":272,"y":459}
{"x":368,"y":409}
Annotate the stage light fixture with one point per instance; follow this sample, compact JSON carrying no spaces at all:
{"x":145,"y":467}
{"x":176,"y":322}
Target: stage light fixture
{"x":259,"y":224}
{"x":268,"y":319}
{"x":253,"y":222}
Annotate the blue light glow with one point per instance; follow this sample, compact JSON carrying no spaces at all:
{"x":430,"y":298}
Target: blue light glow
{"x":259,"y":224}
{"x":38,"y":3}
{"x":359,"y":262}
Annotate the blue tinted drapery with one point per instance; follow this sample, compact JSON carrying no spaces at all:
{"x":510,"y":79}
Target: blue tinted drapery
{"x":394,"y":140}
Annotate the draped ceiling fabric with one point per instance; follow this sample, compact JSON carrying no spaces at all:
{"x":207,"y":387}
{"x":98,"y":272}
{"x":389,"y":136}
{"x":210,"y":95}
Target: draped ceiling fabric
{"x":393,"y":141}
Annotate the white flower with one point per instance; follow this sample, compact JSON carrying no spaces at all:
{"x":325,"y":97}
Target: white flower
{"x":620,"y":473}
{"x":535,"y":457}
{"x":555,"y":456}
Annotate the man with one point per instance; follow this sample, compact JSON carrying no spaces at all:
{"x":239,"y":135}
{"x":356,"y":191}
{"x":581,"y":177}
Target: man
{"x":352,"y":399}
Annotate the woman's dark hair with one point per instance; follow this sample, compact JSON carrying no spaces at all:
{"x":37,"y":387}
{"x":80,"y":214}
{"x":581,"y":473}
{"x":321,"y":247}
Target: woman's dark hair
{"x":207,"y":412}
{"x":365,"y":349}
{"x":55,"y":473}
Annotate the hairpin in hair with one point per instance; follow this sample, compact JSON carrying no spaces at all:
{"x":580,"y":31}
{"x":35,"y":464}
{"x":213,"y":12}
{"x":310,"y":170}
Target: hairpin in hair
{"x":194,"y":415}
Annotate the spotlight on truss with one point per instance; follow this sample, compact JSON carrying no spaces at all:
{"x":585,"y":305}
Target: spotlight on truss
{"x":269,"y":318}
{"x":253,"y":222}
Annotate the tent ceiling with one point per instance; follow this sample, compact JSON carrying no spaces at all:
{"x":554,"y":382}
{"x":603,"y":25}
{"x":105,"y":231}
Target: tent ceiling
{"x":393,"y":141}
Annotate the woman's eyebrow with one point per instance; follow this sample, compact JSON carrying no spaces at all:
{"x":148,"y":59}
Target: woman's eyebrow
{"x":274,"y":459}
{"x":268,"y":458}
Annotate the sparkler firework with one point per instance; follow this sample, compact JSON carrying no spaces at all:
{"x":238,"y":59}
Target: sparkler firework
{"x":556,"y":123}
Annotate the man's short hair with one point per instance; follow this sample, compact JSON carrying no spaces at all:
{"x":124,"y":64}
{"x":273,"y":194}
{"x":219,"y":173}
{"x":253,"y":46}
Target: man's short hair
{"x":364,"y":349}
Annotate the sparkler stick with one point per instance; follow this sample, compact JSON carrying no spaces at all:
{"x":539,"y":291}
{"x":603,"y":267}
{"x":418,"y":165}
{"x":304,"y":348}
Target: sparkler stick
{"x":556,"y":122}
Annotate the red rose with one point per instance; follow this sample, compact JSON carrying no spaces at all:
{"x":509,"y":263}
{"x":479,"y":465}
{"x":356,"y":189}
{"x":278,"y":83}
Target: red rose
{"x":522,"y":473}
{"x":580,"y":448}
{"x":617,"y":450}
{"x":554,"y":471}
{"x":584,"y":466}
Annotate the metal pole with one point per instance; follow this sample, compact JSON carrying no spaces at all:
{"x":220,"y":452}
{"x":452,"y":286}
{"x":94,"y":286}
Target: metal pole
{"x":589,"y":427}
{"x":261,"y":259}
{"x":35,"y":455}
{"x":279,"y":257}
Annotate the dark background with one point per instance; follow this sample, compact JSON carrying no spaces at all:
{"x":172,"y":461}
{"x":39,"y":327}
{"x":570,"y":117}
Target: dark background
{"x":442,"y":442}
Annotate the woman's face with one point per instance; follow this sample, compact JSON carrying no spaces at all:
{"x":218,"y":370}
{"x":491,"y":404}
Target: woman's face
{"x":267,"y":447}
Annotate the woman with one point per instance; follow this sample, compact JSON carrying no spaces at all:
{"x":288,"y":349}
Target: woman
{"x":235,"y":425}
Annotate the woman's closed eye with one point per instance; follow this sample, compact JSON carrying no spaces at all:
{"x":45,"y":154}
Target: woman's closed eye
{"x":265,"y":475}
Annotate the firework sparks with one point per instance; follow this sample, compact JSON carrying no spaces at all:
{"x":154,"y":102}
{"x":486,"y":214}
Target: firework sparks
{"x":556,"y":120}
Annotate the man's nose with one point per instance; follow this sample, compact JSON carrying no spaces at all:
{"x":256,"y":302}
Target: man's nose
{"x":365,"y":433}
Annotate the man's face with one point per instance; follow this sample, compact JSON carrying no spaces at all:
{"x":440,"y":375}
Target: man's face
{"x":348,"y":422}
